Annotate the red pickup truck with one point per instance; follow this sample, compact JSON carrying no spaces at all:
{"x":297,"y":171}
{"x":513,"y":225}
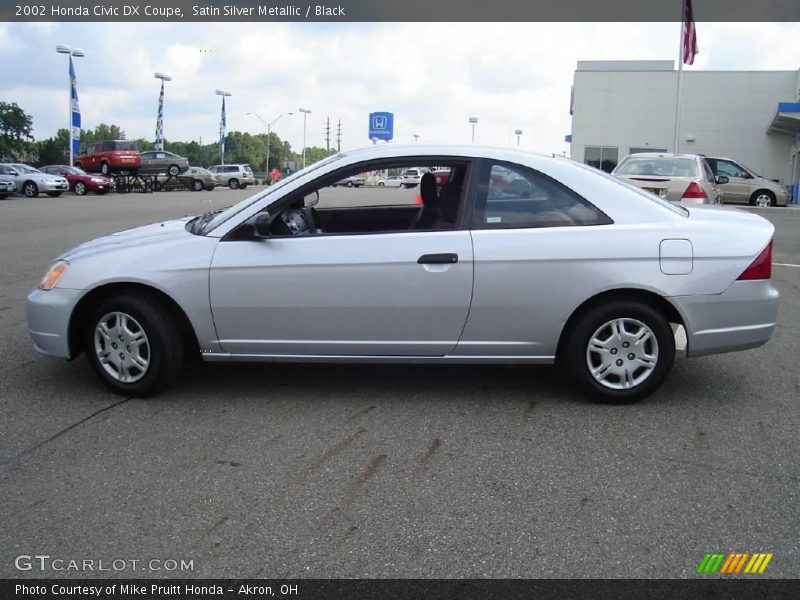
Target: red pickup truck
{"x":110,"y":156}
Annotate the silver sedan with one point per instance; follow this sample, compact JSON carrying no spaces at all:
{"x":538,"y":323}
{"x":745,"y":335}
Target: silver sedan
{"x":517,"y":259}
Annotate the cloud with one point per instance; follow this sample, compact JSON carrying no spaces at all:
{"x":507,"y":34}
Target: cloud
{"x":433,"y":76}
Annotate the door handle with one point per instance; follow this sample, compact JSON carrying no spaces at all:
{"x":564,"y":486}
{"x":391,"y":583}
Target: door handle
{"x":437,"y":259}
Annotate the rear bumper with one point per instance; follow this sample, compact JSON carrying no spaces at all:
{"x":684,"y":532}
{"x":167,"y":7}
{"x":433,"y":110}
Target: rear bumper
{"x":742,"y":317}
{"x":48,"y":320}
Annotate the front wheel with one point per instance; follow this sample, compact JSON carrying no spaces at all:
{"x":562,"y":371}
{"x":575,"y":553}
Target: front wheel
{"x":80,"y":188}
{"x":105,"y":169}
{"x":30,"y":189}
{"x":763,"y":199}
{"x":233,"y":184}
{"x":133,"y":345}
{"x":620,"y":352}
{"x":173,"y":170}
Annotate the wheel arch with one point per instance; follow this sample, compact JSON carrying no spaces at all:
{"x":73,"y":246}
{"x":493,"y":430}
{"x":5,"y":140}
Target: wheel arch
{"x":651,"y":298}
{"x":758,"y":191}
{"x":83,"y":310}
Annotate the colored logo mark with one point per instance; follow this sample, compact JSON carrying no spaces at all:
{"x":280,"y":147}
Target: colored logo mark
{"x":734,"y":563}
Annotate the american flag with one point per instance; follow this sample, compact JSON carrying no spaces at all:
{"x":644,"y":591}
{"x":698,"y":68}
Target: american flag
{"x":689,"y":34}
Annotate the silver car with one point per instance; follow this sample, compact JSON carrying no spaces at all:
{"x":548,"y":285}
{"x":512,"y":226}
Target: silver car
{"x":30,"y":181}
{"x":234,"y":176}
{"x":518,"y":259}
{"x":678,"y":177}
{"x":745,"y":186}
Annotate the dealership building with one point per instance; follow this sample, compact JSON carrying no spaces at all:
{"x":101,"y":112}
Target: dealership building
{"x":622,"y":107}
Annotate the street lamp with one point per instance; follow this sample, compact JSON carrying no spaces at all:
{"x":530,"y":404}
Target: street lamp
{"x":473,"y":121}
{"x":415,"y":136}
{"x":269,"y":132}
{"x":518,"y":133}
{"x":305,"y":112}
{"x":160,"y":118}
{"x":74,"y":115}
{"x":224,"y":95}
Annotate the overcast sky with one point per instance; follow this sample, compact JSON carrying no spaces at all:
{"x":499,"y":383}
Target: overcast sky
{"x":433,"y":76}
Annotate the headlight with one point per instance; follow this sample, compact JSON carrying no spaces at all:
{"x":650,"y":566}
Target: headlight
{"x":98,"y":180}
{"x":50,"y":280}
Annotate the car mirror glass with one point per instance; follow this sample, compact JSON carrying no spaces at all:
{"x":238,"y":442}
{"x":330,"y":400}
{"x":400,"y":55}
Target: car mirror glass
{"x":311,"y":200}
{"x":13,"y":173}
{"x":722,"y":179}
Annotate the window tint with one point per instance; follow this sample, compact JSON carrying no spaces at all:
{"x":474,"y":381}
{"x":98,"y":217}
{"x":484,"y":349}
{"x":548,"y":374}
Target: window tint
{"x":512,"y":196}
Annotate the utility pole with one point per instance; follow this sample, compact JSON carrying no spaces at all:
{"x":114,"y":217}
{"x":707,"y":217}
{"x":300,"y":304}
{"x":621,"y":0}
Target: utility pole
{"x":339,"y":136}
{"x":328,"y":134}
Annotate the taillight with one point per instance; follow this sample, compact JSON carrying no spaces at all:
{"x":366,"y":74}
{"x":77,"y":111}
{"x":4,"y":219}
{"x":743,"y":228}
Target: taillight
{"x":761,"y":267}
{"x":694,"y":191}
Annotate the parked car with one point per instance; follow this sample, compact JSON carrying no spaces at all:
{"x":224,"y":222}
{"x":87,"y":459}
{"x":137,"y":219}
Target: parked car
{"x":7,"y":187}
{"x":198,"y":178}
{"x":412,"y":177}
{"x":351,"y":181}
{"x":79,"y":180}
{"x":162,"y":162}
{"x":110,"y":156}
{"x":676,"y":177}
{"x":745,"y":186}
{"x":590,"y":272}
{"x":30,"y":181}
{"x":234,"y":176}
{"x":391,"y":181}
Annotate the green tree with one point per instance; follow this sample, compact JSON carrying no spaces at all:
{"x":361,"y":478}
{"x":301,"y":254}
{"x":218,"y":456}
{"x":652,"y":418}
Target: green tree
{"x":54,"y":150}
{"x":314,"y":154}
{"x":16,"y":132}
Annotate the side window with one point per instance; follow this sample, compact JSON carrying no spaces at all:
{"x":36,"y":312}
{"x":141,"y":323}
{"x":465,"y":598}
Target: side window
{"x":709,"y":173}
{"x":730,"y":169}
{"x":512,"y":196}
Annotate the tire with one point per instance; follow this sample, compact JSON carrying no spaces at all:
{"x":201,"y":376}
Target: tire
{"x":763,"y":199}
{"x":54,"y":194}
{"x":30,"y":189}
{"x":620,"y":380}
{"x":349,"y":184}
{"x":381,"y":184}
{"x":160,"y":349}
{"x":156,"y":186}
{"x":105,"y":169}
{"x":233,"y":184}
{"x":80,"y":188}
{"x":173,"y":170}
{"x":197,"y":185}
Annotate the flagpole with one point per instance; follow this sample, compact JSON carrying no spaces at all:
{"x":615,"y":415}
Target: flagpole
{"x":675,"y":148}
{"x":69,"y":76}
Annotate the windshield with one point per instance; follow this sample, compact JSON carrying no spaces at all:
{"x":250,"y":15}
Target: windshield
{"x":658,"y":166}
{"x":220,"y":218}
{"x":75,"y":170}
{"x":26,"y":169}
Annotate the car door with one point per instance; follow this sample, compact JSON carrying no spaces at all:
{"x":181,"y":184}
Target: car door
{"x":738,"y":187}
{"x":398,"y":293}
{"x":530,"y":235}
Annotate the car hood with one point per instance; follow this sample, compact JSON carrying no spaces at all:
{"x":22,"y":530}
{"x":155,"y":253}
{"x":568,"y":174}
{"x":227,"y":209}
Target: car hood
{"x":132,"y":238}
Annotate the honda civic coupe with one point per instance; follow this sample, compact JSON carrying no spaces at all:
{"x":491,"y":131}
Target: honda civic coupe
{"x":518,"y":259}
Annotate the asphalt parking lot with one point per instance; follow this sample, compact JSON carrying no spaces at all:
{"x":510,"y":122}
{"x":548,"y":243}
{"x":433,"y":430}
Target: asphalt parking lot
{"x":386,"y":471}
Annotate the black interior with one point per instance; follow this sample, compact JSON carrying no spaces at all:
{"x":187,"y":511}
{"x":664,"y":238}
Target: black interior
{"x":366,"y":219}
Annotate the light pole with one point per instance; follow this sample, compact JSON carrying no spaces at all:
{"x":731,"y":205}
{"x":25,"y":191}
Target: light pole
{"x":518,"y":133}
{"x":160,"y":118}
{"x":305,"y":112}
{"x":415,"y":136}
{"x":473,"y":121}
{"x":224,"y":95}
{"x":269,"y":133}
{"x":74,"y":113}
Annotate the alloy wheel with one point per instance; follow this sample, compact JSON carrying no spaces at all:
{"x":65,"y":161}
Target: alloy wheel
{"x":122,"y":347}
{"x":622,"y":354}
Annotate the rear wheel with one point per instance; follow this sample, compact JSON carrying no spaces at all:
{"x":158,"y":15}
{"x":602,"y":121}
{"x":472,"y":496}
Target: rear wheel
{"x":197,"y":185}
{"x":763,"y":199}
{"x":80,"y":188}
{"x":133,"y":344}
{"x":619,"y":352}
{"x":233,"y":184}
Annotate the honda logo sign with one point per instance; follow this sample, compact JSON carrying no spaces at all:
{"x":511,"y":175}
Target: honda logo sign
{"x":381,"y":126}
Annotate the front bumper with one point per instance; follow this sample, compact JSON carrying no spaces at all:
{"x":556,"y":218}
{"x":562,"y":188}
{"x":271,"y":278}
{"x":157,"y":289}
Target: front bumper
{"x":52,"y":186}
{"x":742,"y":317}
{"x":49,"y":313}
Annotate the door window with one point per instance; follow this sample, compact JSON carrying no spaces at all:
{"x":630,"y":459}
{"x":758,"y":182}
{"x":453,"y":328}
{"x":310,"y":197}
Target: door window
{"x":513,"y":196}
{"x":729,"y":169}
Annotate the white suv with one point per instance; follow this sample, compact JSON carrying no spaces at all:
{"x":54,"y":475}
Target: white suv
{"x":412,"y":177}
{"x":234,"y":176}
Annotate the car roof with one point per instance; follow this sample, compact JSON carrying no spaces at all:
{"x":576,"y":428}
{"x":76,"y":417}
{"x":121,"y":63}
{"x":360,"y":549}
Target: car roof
{"x":663,"y":155}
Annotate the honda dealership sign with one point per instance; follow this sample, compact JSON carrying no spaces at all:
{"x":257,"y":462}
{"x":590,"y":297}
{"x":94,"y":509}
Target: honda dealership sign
{"x":381,"y":126}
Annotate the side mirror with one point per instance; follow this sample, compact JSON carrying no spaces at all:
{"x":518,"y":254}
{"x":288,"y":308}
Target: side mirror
{"x":261,"y":224}
{"x":311,"y":199}
{"x":722,"y":179}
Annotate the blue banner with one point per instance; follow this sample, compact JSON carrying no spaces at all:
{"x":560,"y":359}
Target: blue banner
{"x":76,"y":112}
{"x":222,"y":135}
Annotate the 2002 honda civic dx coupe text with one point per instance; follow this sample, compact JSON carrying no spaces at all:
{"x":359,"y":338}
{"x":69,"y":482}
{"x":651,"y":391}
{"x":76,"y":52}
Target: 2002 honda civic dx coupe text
{"x":518,"y":258}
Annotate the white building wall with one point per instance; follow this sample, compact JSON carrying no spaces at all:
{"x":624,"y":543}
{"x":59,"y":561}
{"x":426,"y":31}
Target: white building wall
{"x":727,"y":112}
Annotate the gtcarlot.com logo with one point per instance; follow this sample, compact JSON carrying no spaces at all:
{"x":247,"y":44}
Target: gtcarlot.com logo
{"x":734,"y":563}
{"x":45,"y":562}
